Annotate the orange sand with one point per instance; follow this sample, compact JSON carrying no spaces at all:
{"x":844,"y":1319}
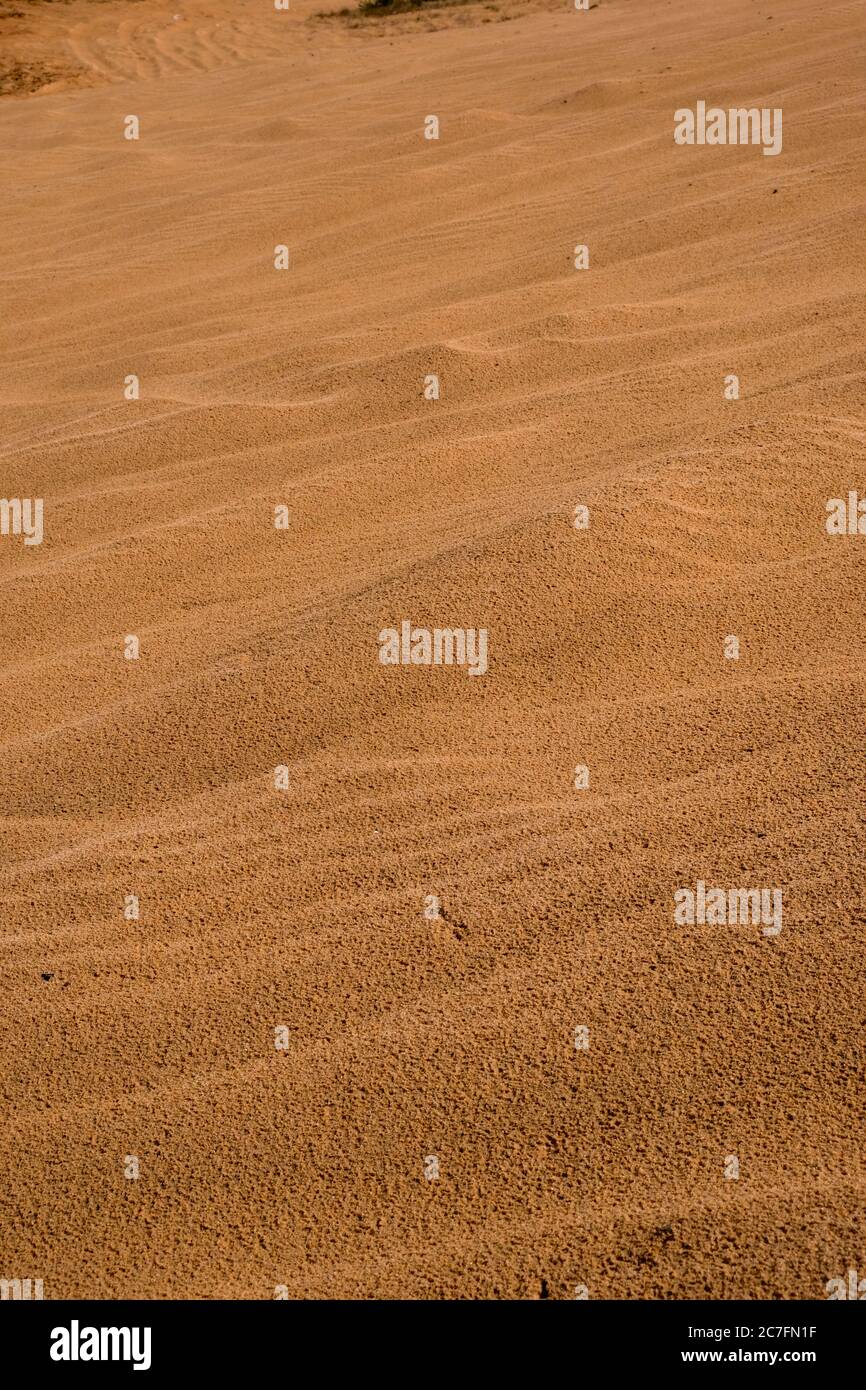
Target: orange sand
{"x":409,"y":1038}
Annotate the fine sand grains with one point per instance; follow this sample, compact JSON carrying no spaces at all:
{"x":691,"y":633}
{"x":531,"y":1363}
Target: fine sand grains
{"x":370,"y":971}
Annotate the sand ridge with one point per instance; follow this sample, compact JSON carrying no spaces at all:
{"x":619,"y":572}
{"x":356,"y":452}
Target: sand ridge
{"x":453,"y":1036}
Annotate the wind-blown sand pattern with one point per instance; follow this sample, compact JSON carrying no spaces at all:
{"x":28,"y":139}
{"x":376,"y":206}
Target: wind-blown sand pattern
{"x":412,"y":1038}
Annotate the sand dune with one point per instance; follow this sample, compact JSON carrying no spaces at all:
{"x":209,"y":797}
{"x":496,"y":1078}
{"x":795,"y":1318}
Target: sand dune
{"x":411,"y":1037}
